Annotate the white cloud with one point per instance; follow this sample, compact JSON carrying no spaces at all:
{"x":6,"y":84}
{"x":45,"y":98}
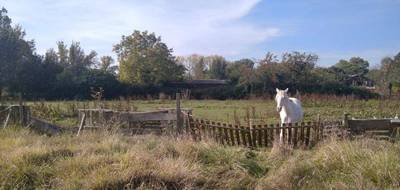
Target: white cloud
{"x":204,"y":27}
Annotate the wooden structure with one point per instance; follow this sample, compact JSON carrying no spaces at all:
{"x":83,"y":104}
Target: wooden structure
{"x":297,"y":135}
{"x":376,"y":128}
{"x":44,"y":127}
{"x":14,"y":114}
{"x":132,"y":122}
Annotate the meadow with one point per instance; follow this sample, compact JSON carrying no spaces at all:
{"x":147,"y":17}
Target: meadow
{"x":327,"y":107}
{"x":103,"y":160}
{"x":108,"y":160}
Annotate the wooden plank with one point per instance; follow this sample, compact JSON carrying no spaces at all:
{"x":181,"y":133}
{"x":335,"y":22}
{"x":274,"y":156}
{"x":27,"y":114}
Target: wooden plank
{"x":225,"y":133}
{"x":265,"y":135}
{"x":231,"y":134}
{"x":82,"y":123}
{"x":277,"y":131}
{"x":7,"y":119}
{"x":156,"y":116}
{"x":271,"y":134}
{"x":237,"y":135}
{"x":220,"y":138}
{"x":295,"y":135}
{"x":302,"y":133}
{"x":243,"y":134}
{"x":259,"y":135}
{"x":195,"y":123}
{"x":249,"y":139}
{"x":308,"y":129}
{"x":253,"y":135}
{"x":362,"y":125}
{"x":315,"y":133}
{"x":201,"y":129}
{"x":44,"y":126}
{"x":214,"y":131}
{"x":208,"y":129}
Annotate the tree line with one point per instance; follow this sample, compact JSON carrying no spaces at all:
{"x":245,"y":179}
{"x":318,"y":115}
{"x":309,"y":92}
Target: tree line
{"x":145,"y":65}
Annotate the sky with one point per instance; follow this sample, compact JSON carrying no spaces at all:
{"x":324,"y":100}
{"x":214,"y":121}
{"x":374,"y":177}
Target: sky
{"x":235,"y":29}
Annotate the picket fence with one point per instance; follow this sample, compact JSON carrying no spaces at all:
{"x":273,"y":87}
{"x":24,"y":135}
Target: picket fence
{"x":304,"y":134}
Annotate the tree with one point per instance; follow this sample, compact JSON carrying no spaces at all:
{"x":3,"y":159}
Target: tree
{"x":390,"y":71}
{"x":355,"y":66}
{"x":195,"y":65}
{"x":241,"y":74}
{"x":145,"y":60}
{"x":217,"y":66}
{"x":15,"y":54}
{"x":107,"y":65}
{"x":298,"y":67}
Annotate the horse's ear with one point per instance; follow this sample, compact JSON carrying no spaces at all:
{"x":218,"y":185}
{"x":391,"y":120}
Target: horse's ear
{"x":277,"y":90}
{"x":286,"y":90}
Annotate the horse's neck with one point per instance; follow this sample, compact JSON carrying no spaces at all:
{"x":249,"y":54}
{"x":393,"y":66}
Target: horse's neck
{"x":288,"y":107}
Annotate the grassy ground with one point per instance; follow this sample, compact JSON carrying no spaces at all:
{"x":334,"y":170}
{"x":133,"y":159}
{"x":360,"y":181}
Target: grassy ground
{"x":102,"y":160}
{"x":329,"y":108}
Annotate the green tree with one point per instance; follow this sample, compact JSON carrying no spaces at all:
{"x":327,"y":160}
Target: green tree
{"x":298,"y":67}
{"x":145,"y":60}
{"x":355,"y":66}
{"x":217,"y":67}
{"x":241,"y":74}
{"x":390,"y":72}
{"x":15,"y":54}
{"x":107,"y":65}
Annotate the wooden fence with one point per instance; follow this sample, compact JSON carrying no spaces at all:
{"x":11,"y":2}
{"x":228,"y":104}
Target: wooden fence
{"x":156,"y":122}
{"x":303,"y":134}
{"x":14,"y":114}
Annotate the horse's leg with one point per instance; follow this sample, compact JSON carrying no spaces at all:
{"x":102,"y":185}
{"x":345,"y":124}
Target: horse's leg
{"x":281,"y":130}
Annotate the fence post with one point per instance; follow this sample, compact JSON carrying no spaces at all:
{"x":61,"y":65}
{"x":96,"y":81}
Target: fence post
{"x":178,"y":113}
{"x":345,"y":120}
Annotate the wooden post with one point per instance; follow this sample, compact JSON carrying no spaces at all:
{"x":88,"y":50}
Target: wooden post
{"x":345,"y":120}
{"x":178,"y":113}
{"x":82,"y":123}
{"x":295,"y":135}
{"x":266,"y":131}
{"x":302,"y":133}
{"x":231,"y":135}
{"x":271,"y":134}
{"x":259,"y":135}
{"x":289,"y":133}
{"x":8,"y":117}
{"x":237,"y":134}
{"x":243,"y":134}
{"x":308,"y":134}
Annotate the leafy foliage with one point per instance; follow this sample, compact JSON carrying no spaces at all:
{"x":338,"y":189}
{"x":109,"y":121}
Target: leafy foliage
{"x":145,"y":60}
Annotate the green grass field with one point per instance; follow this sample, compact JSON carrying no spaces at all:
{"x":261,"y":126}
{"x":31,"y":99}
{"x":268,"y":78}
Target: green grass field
{"x":329,"y":108}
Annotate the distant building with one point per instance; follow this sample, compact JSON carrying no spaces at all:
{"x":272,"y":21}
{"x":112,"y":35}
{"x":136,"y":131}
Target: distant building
{"x":360,"y":80}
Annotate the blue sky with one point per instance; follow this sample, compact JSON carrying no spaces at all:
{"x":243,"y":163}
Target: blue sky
{"x":233,"y":28}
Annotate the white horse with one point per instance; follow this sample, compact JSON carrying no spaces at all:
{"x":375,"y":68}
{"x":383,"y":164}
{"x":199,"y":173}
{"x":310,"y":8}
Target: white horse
{"x":289,"y":109}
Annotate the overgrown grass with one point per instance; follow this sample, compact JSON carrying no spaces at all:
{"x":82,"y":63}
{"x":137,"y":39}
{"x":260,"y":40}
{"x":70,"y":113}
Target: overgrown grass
{"x":101,"y":160}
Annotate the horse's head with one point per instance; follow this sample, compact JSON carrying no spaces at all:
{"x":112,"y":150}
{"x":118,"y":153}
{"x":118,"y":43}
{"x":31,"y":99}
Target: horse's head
{"x":280,"y":98}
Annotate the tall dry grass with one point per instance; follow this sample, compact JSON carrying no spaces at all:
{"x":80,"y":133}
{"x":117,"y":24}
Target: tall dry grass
{"x":101,"y":160}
